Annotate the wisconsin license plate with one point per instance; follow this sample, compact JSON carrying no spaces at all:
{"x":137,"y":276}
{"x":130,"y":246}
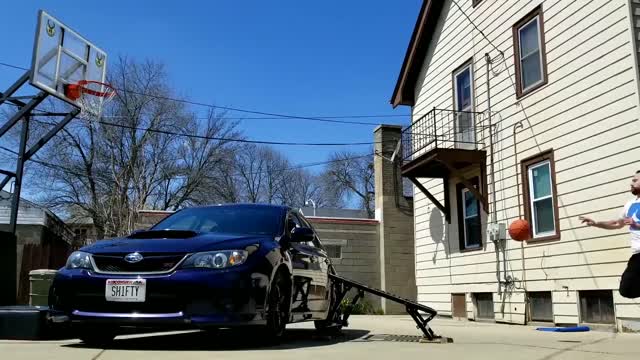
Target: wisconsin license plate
{"x":126,"y":290}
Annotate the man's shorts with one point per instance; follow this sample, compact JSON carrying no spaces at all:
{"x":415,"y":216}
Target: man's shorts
{"x":630,"y":282}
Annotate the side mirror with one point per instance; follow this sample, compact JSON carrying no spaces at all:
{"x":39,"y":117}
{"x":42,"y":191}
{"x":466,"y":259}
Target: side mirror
{"x":302,"y":234}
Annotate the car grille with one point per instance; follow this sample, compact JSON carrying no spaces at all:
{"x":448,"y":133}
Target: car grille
{"x":155,"y":303}
{"x":149,"y":264}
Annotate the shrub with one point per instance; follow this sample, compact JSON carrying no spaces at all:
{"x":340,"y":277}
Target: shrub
{"x":362,"y":307}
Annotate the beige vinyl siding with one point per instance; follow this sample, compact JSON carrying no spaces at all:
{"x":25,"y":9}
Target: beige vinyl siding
{"x":635,"y":31}
{"x":587,"y":112}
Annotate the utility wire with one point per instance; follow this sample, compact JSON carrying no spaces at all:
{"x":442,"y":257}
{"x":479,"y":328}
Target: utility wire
{"x":330,"y":119}
{"x":217,"y":138}
{"x":295,"y":167}
{"x":14,"y":66}
{"x":263,"y":142}
{"x":476,"y":27}
{"x":280,"y":118}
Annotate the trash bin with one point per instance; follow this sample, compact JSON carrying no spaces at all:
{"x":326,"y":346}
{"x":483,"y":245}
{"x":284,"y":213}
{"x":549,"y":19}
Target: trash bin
{"x":40,"y":282}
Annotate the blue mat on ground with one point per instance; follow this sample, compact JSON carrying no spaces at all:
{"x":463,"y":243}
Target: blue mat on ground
{"x":565,"y":329}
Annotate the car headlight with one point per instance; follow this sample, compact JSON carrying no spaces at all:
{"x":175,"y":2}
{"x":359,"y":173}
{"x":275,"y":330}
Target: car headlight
{"x":216,"y":259}
{"x":79,"y":260}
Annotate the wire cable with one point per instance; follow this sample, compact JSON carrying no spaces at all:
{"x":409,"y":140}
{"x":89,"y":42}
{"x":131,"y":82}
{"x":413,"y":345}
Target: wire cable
{"x":295,"y":167}
{"x":329,"y":119}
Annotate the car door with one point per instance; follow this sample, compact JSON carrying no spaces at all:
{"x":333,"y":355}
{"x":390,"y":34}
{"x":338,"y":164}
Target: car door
{"x":310,"y":298}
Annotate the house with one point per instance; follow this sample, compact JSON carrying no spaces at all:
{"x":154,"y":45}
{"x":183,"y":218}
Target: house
{"x":84,"y":232}
{"x":522,"y":109}
{"x":44,"y":240}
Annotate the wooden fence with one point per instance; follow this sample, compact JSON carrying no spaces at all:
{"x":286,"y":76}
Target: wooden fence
{"x":49,"y":255}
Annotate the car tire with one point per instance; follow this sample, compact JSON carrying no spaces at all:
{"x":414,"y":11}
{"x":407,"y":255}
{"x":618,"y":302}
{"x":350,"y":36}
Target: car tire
{"x":278,"y":307}
{"x":98,"y":339}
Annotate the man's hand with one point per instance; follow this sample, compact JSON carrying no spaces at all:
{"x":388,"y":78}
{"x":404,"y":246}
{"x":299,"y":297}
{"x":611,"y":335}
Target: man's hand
{"x":586,"y":220}
{"x":628,"y":221}
{"x":607,"y":225}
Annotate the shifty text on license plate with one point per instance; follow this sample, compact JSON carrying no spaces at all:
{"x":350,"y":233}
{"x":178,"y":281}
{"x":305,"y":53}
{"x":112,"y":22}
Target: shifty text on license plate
{"x":126,"y":290}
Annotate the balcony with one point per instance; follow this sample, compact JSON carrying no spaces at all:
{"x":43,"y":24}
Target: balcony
{"x":443,"y":143}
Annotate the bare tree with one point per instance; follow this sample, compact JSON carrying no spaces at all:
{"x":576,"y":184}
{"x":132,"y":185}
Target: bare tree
{"x":109,"y":173}
{"x":351,"y":175}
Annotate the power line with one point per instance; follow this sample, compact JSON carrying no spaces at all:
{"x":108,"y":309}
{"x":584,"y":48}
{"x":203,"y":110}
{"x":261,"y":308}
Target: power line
{"x":14,"y":66}
{"x":295,"y":167}
{"x":44,"y":163}
{"x":329,"y":119}
{"x":262,"y":142}
{"x":504,"y":60}
{"x":476,"y":27}
{"x":280,"y":118}
{"x":216,"y":138}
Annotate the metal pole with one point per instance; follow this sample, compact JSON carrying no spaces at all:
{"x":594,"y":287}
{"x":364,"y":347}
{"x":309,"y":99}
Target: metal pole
{"x":493,"y":183}
{"x":9,"y":255}
{"x":517,"y":126}
{"x":13,"y":88}
{"x":13,"y":220}
{"x":314,"y":206}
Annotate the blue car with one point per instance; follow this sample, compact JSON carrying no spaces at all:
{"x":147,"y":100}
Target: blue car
{"x":202,"y":267}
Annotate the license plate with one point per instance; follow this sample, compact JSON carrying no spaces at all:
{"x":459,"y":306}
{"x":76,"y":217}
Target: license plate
{"x":126,"y":290}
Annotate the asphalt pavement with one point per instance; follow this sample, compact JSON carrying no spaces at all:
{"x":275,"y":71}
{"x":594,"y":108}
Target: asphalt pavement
{"x":370,"y":337}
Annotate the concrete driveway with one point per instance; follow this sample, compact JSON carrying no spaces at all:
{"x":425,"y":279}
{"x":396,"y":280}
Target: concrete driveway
{"x":370,"y":337}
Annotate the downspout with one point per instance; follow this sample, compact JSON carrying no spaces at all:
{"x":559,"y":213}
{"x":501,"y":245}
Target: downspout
{"x":516,"y":126}
{"x":492,"y":210}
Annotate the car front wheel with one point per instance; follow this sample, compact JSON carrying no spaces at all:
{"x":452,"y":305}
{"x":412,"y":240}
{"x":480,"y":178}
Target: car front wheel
{"x":278,"y":307}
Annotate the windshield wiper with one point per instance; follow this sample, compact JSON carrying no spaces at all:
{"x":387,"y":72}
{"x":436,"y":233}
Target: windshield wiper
{"x":162,"y":234}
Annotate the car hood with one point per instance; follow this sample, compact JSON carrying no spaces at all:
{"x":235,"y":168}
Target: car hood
{"x":193,"y":243}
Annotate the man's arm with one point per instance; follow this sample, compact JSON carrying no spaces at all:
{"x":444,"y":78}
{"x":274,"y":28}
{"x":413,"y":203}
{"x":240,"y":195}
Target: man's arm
{"x":608,"y":225}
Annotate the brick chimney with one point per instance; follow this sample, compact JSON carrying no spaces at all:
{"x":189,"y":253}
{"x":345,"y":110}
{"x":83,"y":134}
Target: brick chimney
{"x":395,"y":214}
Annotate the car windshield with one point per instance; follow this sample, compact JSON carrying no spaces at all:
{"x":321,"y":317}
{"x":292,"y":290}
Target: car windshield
{"x":226,"y":219}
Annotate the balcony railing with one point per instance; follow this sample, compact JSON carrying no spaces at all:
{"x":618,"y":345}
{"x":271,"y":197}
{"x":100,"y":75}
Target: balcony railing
{"x":441,"y":128}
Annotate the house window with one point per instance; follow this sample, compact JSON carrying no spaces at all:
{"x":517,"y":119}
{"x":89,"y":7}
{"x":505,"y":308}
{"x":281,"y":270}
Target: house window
{"x":469,"y":218}
{"x":541,"y":203}
{"x":334,"y":251}
{"x":484,"y":305}
{"x":463,"y":105}
{"x":529,"y":53}
{"x":541,"y":306}
{"x":596,"y":306}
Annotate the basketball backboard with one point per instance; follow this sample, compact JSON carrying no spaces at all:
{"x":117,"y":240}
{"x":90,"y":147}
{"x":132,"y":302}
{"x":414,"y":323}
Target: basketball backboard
{"x":61,"y":57}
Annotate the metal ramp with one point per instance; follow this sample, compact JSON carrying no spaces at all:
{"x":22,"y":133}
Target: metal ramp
{"x":342,"y":286}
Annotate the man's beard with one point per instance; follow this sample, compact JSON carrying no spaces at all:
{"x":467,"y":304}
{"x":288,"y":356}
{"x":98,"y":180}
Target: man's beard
{"x":635,"y":191}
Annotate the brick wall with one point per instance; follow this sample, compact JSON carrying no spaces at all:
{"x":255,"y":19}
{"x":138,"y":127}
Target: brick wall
{"x":360,"y":252}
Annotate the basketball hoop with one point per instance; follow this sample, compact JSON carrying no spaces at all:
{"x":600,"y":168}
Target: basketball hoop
{"x":90,"y":95}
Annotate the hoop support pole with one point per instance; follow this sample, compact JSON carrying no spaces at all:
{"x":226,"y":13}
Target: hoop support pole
{"x":13,"y":88}
{"x":45,"y":139}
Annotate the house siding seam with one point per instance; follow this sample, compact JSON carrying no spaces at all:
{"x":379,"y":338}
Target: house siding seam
{"x":587,"y":113}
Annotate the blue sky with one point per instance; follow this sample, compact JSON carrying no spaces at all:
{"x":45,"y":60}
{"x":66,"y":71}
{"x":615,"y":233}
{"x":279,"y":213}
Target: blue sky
{"x":307,"y":58}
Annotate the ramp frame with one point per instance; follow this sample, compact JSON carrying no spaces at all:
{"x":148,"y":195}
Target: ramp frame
{"x":421,"y":314}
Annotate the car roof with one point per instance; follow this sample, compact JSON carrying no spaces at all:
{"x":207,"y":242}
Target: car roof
{"x":247,"y":205}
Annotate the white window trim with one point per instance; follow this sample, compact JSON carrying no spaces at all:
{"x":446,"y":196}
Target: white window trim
{"x":471,"y":103}
{"x":521,"y":58}
{"x":455,"y":87}
{"x":464,"y":221}
{"x":532,"y":199}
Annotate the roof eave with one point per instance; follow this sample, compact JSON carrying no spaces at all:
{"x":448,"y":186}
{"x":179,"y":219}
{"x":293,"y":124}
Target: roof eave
{"x":404,"y":92}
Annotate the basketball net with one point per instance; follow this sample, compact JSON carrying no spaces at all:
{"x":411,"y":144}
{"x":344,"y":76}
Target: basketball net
{"x":91,"y":96}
